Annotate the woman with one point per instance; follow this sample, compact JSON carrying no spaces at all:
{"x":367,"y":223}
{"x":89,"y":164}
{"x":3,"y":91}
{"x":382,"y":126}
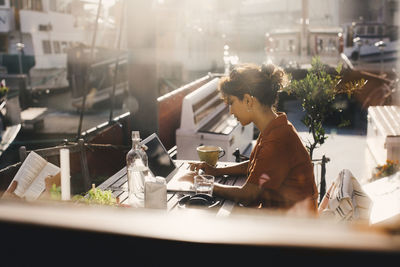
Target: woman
{"x":279,"y":172}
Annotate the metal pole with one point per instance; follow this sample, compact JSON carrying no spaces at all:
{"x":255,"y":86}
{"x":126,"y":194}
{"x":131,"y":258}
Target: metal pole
{"x":87,"y":71}
{"x":19,"y":47}
{"x":20,"y":44}
{"x":304,"y":29}
{"x":322,"y":186}
{"x":84,"y":164}
{"x":117,"y":62}
{"x":381,"y":46}
{"x":226,"y":60}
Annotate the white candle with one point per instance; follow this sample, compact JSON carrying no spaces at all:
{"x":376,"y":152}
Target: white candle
{"x":65,"y":175}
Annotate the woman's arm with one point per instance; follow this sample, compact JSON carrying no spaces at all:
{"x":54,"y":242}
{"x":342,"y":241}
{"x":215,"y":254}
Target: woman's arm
{"x":245,"y":194}
{"x":237,"y":169}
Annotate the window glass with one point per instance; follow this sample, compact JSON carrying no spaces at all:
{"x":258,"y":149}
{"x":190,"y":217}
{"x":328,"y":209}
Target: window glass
{"x":46,"y":47}
{"x":292,"y":46}
{"x":175,"y":42}
{"x":64,"y":47}
{"x":360,"y":30}
{"x":15,"y":3}
{"x":3,"y":44}
{"x":380,"y":30}
{"x":57,"y":48}
{"x":37,"y":5}
{"x":27,"y":4}
{"x":53,"y":5}
{"x":371,"y":29}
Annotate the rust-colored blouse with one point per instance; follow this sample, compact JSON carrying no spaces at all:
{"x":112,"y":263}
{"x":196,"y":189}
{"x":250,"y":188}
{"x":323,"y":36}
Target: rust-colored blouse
{"x":281,"y":166}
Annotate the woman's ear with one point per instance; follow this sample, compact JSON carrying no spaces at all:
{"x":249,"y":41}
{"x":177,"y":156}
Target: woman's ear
{"x":248,"y":100}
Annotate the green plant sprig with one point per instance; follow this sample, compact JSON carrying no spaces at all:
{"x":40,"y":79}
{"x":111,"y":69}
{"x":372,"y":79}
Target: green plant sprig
{"x":317,"y":92}
{"x":93,"y":196}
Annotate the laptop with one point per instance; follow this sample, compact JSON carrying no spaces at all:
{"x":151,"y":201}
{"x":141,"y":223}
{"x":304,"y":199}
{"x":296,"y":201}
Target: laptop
{"x":161,"y":164}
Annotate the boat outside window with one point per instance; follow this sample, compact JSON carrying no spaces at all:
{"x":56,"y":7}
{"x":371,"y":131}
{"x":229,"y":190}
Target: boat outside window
{"x":57,"y":48}
{"x":277,"y":46}
{"x":291,"y":47}
{"x":320,"y":45}
{"x":53,"y":5}
{"x":37,"y":5}
{"x":332,"y":46}
{"x":64,"y":47}
{"x":27,"y":4}
{"x":380,"y":30}
{"x":3,"y":43}
{"x":371,"y":29}
{"x":46,"y":47}
{"x":60,"y":6}
{"x":360,"y":30}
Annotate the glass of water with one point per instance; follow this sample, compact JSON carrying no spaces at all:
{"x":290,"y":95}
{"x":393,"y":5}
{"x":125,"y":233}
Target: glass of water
{"x":204,"y":184}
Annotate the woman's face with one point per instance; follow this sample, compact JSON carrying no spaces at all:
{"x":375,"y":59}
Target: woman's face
{"x":239,"y":109}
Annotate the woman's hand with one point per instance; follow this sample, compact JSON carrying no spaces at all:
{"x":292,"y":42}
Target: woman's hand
{"x":9,"y":193}
{"x":188,"y":177}
{"x":207,"y":168}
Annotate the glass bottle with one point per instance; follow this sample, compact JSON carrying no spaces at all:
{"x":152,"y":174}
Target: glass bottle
{"x":137,"y":169}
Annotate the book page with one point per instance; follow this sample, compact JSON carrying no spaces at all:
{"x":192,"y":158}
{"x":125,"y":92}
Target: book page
{"x":38,"y":185}
{"x":29,"y":169}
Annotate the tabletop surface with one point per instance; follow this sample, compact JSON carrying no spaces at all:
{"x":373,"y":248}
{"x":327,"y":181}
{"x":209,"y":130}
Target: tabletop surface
{"x":118,"y":184}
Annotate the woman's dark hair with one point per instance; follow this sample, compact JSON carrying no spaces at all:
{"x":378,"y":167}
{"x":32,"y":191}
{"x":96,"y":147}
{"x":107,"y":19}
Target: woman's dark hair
{"x":262,"y":82}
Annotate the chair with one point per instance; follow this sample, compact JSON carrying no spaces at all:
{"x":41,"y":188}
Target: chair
{"x":345,"y":200}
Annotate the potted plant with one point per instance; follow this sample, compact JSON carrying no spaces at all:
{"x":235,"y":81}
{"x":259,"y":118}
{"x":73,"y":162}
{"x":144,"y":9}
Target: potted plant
{"x":317,"y":92}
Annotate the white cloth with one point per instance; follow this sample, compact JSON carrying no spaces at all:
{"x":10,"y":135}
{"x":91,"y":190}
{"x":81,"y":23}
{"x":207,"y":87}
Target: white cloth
{"x":385,"y":195}
{"x":345,"y":200}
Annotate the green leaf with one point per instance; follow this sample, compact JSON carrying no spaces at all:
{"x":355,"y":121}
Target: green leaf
{"x":339,"y":68}
{"x":318,"y":91}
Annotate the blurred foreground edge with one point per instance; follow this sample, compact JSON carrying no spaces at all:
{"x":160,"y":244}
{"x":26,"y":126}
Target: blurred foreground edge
{"x":36,"y":233}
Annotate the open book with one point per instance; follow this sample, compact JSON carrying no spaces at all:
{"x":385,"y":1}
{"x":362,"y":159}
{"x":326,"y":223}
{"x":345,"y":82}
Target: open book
{"x":31,"y":175}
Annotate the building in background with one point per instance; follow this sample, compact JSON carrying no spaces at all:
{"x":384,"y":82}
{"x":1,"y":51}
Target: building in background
{"x":35,"y":36}
{"x":191,"y":36}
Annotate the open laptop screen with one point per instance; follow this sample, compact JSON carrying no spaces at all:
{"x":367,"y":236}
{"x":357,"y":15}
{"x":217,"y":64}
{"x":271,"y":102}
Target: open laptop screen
{"x":160,"y":163}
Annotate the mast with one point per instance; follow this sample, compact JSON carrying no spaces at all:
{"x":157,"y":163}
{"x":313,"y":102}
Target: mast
{"x":115,"y":78}
{"x":304,"y":29}
{"x":86,"y":82}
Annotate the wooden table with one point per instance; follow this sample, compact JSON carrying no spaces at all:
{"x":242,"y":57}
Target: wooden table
{"x":118,"y":184}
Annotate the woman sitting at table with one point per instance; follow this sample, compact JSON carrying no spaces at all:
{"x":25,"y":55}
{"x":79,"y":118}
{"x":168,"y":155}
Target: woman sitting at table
{"x":279,"y":172}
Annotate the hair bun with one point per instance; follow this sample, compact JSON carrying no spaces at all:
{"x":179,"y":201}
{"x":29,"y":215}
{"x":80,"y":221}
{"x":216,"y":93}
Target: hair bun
{"x":268,"y":69}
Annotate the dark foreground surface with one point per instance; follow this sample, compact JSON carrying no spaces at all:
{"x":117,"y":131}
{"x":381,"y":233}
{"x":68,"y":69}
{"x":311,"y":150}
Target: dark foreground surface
{"x":53,"y":235}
